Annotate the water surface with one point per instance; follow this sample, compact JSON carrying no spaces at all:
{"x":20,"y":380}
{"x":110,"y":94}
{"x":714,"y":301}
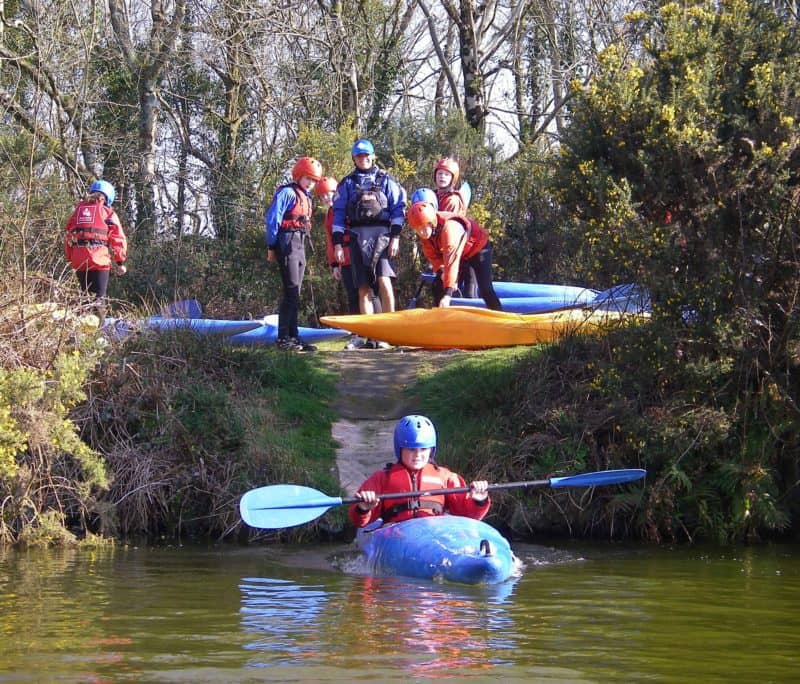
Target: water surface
{"x":578,"y":613}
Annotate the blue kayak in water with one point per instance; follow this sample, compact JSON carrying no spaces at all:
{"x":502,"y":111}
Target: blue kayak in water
{"x":447,"y":548}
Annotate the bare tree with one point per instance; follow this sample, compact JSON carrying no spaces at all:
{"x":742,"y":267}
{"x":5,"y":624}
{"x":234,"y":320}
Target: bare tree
{"x":146,"y":56}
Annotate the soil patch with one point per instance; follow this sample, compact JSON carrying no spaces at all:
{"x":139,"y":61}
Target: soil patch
{"x":373,"y":393}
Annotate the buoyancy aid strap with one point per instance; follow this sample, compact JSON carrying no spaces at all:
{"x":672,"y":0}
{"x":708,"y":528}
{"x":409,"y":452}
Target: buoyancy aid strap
{"x":411,"y":505}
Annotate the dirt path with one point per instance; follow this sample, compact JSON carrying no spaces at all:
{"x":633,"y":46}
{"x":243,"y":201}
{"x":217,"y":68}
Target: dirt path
{"x":372,"y":397}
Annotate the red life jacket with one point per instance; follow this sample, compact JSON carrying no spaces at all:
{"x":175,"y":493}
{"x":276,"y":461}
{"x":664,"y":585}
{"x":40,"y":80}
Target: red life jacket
{"x":476,"y":235}
{"x":93,"y":237}
{"x":299,"y":216}
{"x":397,"y":479}
{"x":89,"y":225}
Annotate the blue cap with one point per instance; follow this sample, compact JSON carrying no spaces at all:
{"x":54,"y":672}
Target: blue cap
{"x":362,"y":146}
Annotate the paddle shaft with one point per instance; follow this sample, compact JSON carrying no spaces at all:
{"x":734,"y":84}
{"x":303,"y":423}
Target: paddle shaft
{"x":450,"y":490}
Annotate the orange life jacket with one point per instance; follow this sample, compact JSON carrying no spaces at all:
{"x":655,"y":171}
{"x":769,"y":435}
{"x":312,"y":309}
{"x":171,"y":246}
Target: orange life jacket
{"x":299,"y":216}
{"x":452,"y":201}
{"x":476,"y":235}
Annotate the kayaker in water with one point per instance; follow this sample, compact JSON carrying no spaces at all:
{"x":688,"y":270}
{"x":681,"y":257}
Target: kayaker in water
{"x":452,"y":244}
{"x":415,"y":470}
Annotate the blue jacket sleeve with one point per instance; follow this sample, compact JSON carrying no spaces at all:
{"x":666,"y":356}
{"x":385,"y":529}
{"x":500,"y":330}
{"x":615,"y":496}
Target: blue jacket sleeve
{"x":282,"y":202}
{"x":396,"y":194}
{"x":340,"y":200}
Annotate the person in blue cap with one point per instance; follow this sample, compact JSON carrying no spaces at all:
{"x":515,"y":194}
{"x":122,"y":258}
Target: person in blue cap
{"x":371,"y":205}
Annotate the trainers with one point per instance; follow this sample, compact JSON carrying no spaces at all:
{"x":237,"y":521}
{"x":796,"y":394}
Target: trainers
{"x":305,"y":347}
{"x":355,"y":342}
{"x":384,"y":345}
{"x":287,"y":344}
{"x":369,"y":344}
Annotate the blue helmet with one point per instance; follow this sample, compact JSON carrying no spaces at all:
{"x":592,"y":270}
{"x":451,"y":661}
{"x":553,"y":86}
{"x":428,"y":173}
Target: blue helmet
{"x":414,"y":432}
{"x":425,"y":195}
{"x":362,"y":146}
{"x":106,"y":188}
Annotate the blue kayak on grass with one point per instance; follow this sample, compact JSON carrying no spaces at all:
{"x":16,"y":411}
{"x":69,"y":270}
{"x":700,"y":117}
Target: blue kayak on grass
{"x":267,"y":333}
{"x":201,"y":326}
{"x":508,"y":289}
{"x":530,"y":305}
{"x":447,"y":548}
{"x":120,"y":328}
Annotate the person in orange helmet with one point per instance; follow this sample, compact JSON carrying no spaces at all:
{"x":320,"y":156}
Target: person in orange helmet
{"x":454,"y":196}
{"x":452,"y":244}
{"x":445,"y":178}
{"x":288,"y":224}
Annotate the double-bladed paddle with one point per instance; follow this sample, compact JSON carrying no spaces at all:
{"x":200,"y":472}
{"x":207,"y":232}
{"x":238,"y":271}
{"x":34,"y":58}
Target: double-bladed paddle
{"x":277,"y":506}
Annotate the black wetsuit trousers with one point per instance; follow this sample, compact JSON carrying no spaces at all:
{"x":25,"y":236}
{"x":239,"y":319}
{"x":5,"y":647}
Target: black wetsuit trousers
{"x":291,"y":254}
{"x":481,"y":264}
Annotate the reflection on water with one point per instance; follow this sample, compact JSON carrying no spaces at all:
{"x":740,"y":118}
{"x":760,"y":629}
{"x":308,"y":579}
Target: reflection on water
{"x":578,"y":614}
{"x":420,"y":628}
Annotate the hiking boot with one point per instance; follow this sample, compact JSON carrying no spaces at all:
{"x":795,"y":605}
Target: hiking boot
{"x":355,"y":342}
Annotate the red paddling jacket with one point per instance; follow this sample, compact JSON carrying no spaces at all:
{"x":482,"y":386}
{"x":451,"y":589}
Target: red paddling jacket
{"x":329,"y":242}
{"x":94,"y":237}
{"x":452,"y":201}
{"x":397,"y":478}
{"x":454,"y":238}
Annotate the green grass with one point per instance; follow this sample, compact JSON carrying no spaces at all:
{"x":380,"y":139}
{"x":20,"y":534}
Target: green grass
{"x":468,"y":402}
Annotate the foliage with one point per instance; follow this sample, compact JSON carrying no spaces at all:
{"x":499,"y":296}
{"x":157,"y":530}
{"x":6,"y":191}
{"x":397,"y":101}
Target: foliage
{"x":49,"y":478}
{"x":680,"y":174}
{"x":188,"y":425}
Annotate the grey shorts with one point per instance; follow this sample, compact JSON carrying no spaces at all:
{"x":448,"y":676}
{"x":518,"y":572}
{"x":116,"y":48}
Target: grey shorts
{"x":368,"y":254}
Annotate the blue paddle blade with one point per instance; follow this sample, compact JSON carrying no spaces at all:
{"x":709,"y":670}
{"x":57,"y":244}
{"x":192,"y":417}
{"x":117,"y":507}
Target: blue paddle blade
{"x":602,"y":477}
{"x":278,"y":506}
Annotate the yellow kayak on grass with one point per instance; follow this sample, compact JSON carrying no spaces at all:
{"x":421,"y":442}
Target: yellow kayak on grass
{"x":458,"y":327}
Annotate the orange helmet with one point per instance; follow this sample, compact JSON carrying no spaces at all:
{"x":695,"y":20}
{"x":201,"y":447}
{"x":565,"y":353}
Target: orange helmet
{"x":448,"y":164}
{"x":421,"y":214}
{"x":325,"y":185}
{"x":307,"y":166}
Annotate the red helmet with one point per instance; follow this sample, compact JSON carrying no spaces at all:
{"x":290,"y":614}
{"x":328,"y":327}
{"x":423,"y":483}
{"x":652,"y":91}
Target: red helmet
{"x":307,"y":166}
{"x":448,"y":164}
{"x":326,"y":184}
{"x":421,"y":214}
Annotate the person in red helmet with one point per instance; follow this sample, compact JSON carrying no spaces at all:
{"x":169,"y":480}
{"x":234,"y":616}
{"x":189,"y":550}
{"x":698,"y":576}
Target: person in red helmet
{"x":415,"y":470}
{"x":452,"y":244}
{"x":288,"y":224}
{"x":445,"y":178}
{"x":454,"y":196}
{"x":94,"y":240}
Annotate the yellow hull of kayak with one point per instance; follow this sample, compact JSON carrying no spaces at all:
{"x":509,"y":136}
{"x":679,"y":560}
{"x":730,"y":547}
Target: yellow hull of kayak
{"x":459,"y":327}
